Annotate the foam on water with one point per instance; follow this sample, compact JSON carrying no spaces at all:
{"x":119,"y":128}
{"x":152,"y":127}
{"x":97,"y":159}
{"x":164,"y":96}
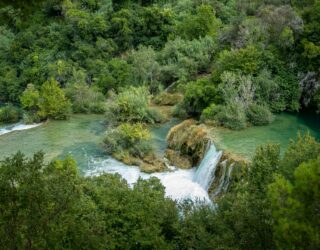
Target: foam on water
{"x":179,"y":184}
{"x":17,"y":127}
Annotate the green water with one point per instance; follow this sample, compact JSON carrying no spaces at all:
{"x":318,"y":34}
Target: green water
{"x":284,"y":128}
{"x":159,"y":135}
{"x":81,"y":137}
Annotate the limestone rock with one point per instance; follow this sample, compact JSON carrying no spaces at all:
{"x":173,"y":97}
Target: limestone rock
{"x":189,"y":140}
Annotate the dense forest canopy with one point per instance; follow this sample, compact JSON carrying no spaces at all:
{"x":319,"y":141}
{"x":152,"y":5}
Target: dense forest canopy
{"x":247,"y":59}
{"x":231,"y":63}
{"x":273,"y":204}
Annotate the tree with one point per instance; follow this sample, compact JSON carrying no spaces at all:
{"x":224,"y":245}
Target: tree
{"x":200,"y":24}
{"x":295,"y":207}
{"x":30,"y":98}
{"x":146,"y":69}
{"x":52,"y":102}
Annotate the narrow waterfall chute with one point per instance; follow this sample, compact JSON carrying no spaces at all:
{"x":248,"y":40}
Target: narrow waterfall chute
{"x":206,"y":171}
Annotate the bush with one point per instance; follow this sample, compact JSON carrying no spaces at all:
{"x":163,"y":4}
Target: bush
{"x":229,"y":116}
{"x":85,"y":99}
{"x":259,"y":115}
{"x":131,"y":139}
{"x":199,"y":95}
{"x":165,"y":98}
{"x":30,"y":117}
{"x":182,"y":60}
{"x":9,"y":114}
{"x":131,"y":105}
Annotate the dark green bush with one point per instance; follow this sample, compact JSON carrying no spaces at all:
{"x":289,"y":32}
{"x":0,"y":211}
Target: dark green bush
{"x":259,"y":115}
{"x":9,"y":114}
{"x":131,"y":105}
{"x":229,"y":116}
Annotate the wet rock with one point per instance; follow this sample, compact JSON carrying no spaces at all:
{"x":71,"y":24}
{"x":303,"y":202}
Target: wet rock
{"x":176,"y":159}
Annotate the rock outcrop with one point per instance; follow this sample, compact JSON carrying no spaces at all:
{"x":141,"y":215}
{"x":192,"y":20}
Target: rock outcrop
{"x":187,"y":144}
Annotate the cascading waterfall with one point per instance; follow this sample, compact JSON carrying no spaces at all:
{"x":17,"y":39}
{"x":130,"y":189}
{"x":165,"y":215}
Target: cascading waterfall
{"x":206,"y":171}
{"x":224,"y":181}
{"x":179,"y":184}
{"x":217,"y":191}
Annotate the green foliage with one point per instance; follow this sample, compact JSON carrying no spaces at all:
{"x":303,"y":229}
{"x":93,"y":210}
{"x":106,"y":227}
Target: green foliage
{"x":246,"y":60}
{"x":49,"y":102}
{"x":52,"y":102}
{"x":145,"y":68}
{"x":230,"y":116}
{"x":116,"y":74}
{"x":9,"y":114}
{"x":302,"y":150}
{"x":199,"y":95}
{"x":126,"y":138}
{"x":84,"y":99}
{"x":183,"y":59}
{"x":259,"y":115}
{"x":30,"y":98}
{"x":50,"y":206}
{"x":131,"y":105}
{"x":295,"y":206}
{"x":203,"y":22}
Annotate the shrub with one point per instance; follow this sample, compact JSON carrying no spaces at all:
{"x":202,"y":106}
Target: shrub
{"x":229,"y":116}
{"x":9,"y":114}
{"x":259,"y":115}
{"x":182,"y":60}
{"x":165,"y":98}
{"x":131,"y":105}
{"x":199,"y":95}
{"x":133,"y":139}
{"x":85,"y":99}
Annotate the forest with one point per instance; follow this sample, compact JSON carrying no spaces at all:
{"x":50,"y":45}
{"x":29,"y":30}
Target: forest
{"x":234,"y":64}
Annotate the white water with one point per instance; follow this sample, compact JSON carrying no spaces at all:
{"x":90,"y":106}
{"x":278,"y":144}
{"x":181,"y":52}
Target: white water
{"x":17,"y":127}
{"x":206,"y":171}
{"x":179,"y":184}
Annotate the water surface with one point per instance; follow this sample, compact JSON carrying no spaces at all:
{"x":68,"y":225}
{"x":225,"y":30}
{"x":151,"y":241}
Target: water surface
{"x":81,"y":137}
{"x":282,"y":130}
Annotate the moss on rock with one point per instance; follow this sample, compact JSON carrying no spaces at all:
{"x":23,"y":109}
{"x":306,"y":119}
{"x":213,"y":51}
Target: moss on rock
{"x":189,"y":140}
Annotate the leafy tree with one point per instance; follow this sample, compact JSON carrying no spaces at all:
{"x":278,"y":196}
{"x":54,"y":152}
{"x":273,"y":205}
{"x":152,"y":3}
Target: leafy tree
{"x":52,"y":101}
{"x":246,"y":60}
{"x":303,"y":149}
{"x":199,"y":24}
{"x":199,"y":95}
{"x":131,"y":105}
{"x":30,"y":98}
{"x":145,"y":68}
{"x":295,"y":207}
{"x":84,"y":99}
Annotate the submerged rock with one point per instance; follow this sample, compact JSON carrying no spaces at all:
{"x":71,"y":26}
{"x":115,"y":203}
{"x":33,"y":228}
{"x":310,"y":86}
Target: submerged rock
{"x":187,"y":144}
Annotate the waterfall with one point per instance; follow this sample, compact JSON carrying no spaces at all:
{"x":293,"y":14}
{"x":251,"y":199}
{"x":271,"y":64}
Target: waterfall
{"x":224,"y":180}
{"x":206,"y":171}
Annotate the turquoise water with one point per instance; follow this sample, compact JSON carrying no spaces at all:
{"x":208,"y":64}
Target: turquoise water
{"x":282,"y":130}
{"x":81,"y":137}
{"x":159,"y":135}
